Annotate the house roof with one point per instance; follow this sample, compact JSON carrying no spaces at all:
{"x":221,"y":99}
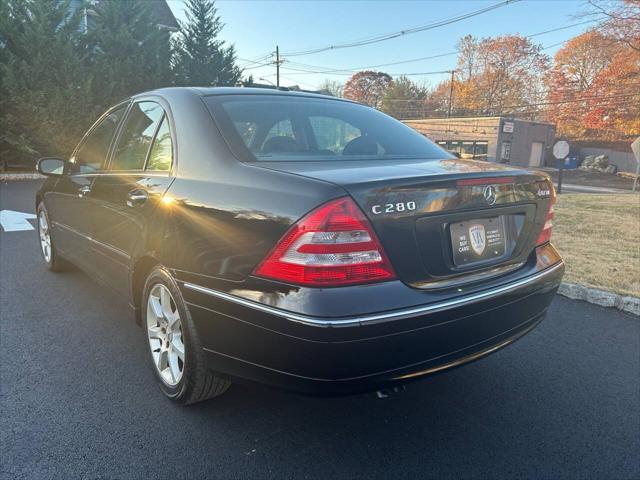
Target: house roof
{"x":163,"y":14}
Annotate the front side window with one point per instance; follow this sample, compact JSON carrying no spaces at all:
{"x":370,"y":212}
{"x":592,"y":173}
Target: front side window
{"x":295,"y":128}
{"x":136,"y":136}
{"x":92,"y":153}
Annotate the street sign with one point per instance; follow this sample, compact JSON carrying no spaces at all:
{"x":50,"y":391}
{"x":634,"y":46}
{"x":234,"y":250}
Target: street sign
{"x":15,"y":221}
{"x":507,"y":127}
{"x":561,"y":149}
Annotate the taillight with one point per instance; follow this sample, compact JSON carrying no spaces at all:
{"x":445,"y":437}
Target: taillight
{"x":332,"y":245}
{"x":545,"y":233}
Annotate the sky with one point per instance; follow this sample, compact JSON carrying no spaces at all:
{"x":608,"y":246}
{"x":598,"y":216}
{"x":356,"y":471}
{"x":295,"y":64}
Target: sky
{"x":255,"y":27}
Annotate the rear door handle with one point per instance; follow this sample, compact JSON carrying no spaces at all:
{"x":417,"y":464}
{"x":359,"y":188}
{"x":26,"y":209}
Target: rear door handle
{"x":82,"y":191}
{"x":136,"y":197}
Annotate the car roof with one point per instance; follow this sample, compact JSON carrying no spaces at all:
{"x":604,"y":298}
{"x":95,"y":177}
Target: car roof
{"x":212,"y":91}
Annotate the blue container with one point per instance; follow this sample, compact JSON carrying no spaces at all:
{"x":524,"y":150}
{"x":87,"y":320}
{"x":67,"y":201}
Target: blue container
{"x":569,"y":162}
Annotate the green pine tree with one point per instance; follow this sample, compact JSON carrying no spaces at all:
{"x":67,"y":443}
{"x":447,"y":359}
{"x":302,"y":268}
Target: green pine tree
{"x":200,"y":57}
{"x":42,"y":80}
{"x":129,"y":54}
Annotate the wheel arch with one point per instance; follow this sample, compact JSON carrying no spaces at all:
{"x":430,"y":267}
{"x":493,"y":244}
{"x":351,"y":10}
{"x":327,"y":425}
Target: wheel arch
{"x":139,"y":274}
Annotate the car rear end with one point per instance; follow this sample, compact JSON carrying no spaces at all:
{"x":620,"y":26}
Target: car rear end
{"x":420,"y":266}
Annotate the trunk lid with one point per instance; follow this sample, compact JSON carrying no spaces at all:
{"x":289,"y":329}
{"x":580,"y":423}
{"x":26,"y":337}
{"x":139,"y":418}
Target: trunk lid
{"x":443,"y":222}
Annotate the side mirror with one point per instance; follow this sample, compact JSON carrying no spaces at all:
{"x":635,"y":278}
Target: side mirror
{"x":51,"y":166}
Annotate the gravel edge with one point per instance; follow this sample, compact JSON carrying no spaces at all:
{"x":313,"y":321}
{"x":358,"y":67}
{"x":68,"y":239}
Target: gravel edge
{"x":600,"y":297}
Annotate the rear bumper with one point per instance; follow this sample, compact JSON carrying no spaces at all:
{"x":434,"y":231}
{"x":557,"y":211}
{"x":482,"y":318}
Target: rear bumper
{"x":334,"y":356}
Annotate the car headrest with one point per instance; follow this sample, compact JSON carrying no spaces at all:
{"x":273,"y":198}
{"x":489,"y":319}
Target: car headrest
{"x":280,"y":144}
{"x":361,"y":146}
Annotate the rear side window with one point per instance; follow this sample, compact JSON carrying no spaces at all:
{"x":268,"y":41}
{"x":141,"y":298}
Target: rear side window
{"x":296,"y":128}
{"x":161,"y":155}
{"x":92,"y":153}
{"x":137,"y":135}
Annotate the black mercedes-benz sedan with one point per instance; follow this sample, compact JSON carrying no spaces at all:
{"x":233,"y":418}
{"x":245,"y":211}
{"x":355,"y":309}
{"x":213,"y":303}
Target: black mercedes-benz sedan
{"x":302,"y":241}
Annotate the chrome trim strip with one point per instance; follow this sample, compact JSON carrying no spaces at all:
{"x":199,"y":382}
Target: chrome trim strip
{"x":394,"y":315}
{"x":95,"y":242}
{"x":123,"y":173}
{"x":469,"y":278}
{"x":70,"y":229}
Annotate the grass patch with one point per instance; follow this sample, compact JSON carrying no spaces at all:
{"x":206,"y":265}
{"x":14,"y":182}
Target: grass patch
{"x":599,"y":238}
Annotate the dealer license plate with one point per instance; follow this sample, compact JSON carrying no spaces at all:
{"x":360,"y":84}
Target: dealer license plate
{"x":478,"y":240}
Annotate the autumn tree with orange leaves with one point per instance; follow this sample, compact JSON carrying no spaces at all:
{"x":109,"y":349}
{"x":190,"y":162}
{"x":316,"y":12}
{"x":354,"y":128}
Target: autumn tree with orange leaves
{"x":367,"y":87}
{"x":495,"y":75}
{"x":621,"y":20}
{"x":591,"y":86}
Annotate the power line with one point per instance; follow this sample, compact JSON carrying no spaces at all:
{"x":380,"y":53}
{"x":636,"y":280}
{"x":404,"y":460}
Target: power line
{"x":440,"y":55}
{"x":303,"y":71}
{"x":408,"y":31}
{"x":307,"y":72}
{"x":299,"y":68}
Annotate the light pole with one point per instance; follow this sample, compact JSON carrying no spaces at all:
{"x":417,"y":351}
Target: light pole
{"x":451,"y":94}
{"x":277,"y":66}
{"x":267,"y":80}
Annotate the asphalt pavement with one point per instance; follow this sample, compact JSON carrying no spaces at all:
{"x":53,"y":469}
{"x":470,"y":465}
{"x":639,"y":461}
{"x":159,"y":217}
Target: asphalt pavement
{"x":78,"y":399}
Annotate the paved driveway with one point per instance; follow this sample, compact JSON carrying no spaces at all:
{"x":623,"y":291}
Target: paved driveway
{"x":78,"y":399}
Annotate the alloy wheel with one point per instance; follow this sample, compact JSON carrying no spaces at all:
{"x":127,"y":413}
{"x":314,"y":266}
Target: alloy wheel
{"x":164,"y":330}
{"x":45,"y":237}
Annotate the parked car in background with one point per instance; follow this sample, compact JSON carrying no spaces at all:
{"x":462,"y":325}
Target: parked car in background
{"x":296,"y":240}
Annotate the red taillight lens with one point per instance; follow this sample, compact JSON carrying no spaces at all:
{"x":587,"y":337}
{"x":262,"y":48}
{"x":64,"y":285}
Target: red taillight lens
{"x":545,"y":233}
{"x":333,"y":245}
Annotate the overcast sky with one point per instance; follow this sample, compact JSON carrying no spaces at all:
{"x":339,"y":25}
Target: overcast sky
{"x":256,"y":27}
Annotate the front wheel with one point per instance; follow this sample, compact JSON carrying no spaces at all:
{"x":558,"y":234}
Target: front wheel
{"x":175,"y":349}
{"x":50,"y":255}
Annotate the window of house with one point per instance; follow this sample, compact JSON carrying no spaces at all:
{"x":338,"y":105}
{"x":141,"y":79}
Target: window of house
{"x":480,"y":150}
{"x":92,"y":153}
{"x":470,"y":149}
{"x":137,"y":135}
{"x":467,"y":150}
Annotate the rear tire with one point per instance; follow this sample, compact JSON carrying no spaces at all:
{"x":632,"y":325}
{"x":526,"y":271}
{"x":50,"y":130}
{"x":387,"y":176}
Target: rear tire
{"x":50,"y":255}
{"x":175,"y":350}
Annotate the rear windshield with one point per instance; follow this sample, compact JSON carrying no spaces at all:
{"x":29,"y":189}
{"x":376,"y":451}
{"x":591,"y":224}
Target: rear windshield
{"x":289,"y":128}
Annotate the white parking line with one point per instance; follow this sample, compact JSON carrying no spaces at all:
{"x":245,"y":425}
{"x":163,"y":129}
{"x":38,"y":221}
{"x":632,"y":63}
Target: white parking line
{"x":15,"y":221}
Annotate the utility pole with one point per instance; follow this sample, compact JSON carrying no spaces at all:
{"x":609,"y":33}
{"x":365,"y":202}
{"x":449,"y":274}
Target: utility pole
{"x":450,"y":94}
{"x":277,"y":66}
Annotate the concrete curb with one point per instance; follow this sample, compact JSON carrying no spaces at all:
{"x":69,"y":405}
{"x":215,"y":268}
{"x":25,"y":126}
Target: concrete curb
{"x":20,"y":176}
{"x":600,"y":297}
